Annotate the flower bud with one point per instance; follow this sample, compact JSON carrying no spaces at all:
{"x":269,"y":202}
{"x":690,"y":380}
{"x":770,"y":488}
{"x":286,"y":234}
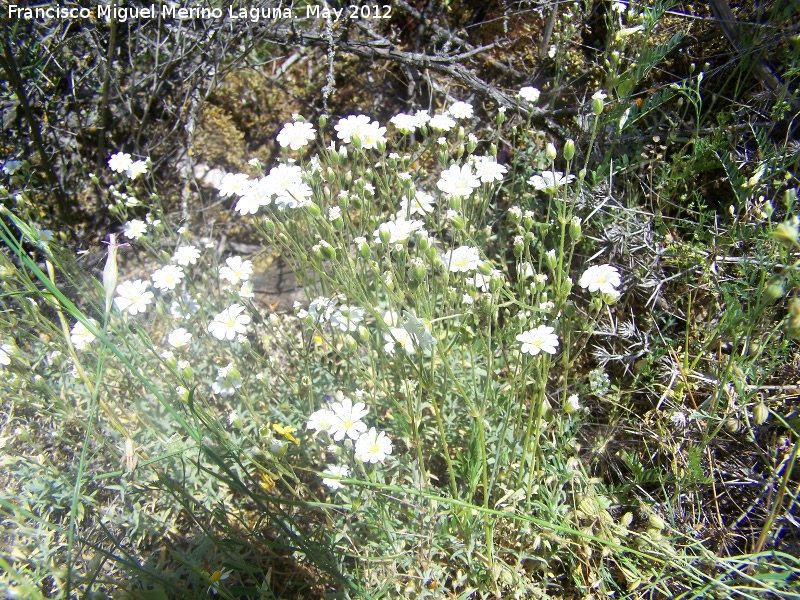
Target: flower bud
{"x":760,"y":413}
{"x":433,"y":257}
{"x":363,"y":333}
{"x":575,"y":229}
{"x":363,"y":248}
{"x":277,"y":447}
{"x":384,"y":234}
{"x":417,"y":269}
{"x":656,"y":522}
{"x":598,"y":103}
{"x":550,"y":151}
{"x":350,"y":343}
{"x":454,"y":202}
{"x":501,"y":115}
{"x":519,"y":246}
{"x":786,"y":233}
{"x":485,"y":268}
{"x":775,"y":289}
{"x":323,"y":121}
{"x":314,"y":210}
{"x":569,"y":149}
{"x":458,"y":222}
{"x":327,"y":250}
{"x":496,"y":282}
{"x":551,"y":260}
{"x":356,"y":141}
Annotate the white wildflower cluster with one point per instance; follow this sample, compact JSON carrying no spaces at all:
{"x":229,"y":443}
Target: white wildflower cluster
{"x":122,"y":162}
{"x":342,"y":420}
{"x":397,"y":231}
{"x":409,"y":334}
{"x":406,"y":123}
{"x":458,"y":182}
{"x":360,"y":127}
{"x":341,"y":317}
{"x":283,"y":185}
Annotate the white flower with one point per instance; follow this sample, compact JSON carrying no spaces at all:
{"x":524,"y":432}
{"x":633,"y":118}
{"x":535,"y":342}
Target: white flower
{"x":12,"y":166}
{"x":550,"y":181}
{"x":167,"y":277}
{"x":552,"y":51}
{"x":347,"y":419}
{"x":420,"y":329}
{"x":541,"y":339}
{"x":190,"y":306}
{"x":371,"y":136}
{"x":186,"y":255}
{"x":235,"y":270}
{"x":458,"y":181}
{"x":321,"y":308}
{"x":599,"y":95}
{"x":247,"y":290}
{"x":373,"y":447}
{"x":463,"y":259}
{"x":296,"y":135}
{"x":179,"y":337}
{"x":604,"y":278}
{"x":398,"y":231}
{"x":460,"y":110}
{"x":531,"y":94}
{"x":423,"y":116}
{"x":398,"y":335}
{"x":321,"y":420}
{"x":134,"y":229}
{"x":80,"y":336}
{"x":406,"y":123}
{"x":336,"y":471}
{"x":215,"y":578}
{"x":441,"y":123}
{"x":138,"y":167}
{"x":619,"y":7}
{"x":228,"y":381}
{"x":133,"y":296}
{"x":334,"y":212}
{"x":487,"y":170}
{"x":233,"y":416}
{"x":233,"y":183}
{"x":347,"y":318}
{"x":351,"y":125}
{"x":573,"y":404}
{"x":120,"y":162}
{"x":5,"y":354}
{"x":229,"y":323}
{"x":359,"y":126}
{"x":421,"y":204}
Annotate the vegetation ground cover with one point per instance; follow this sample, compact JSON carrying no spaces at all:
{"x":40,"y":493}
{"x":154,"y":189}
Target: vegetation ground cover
{"x":548,"y":342}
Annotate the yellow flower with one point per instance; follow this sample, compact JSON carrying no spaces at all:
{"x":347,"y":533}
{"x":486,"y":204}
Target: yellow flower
{"x":286,"y":432}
